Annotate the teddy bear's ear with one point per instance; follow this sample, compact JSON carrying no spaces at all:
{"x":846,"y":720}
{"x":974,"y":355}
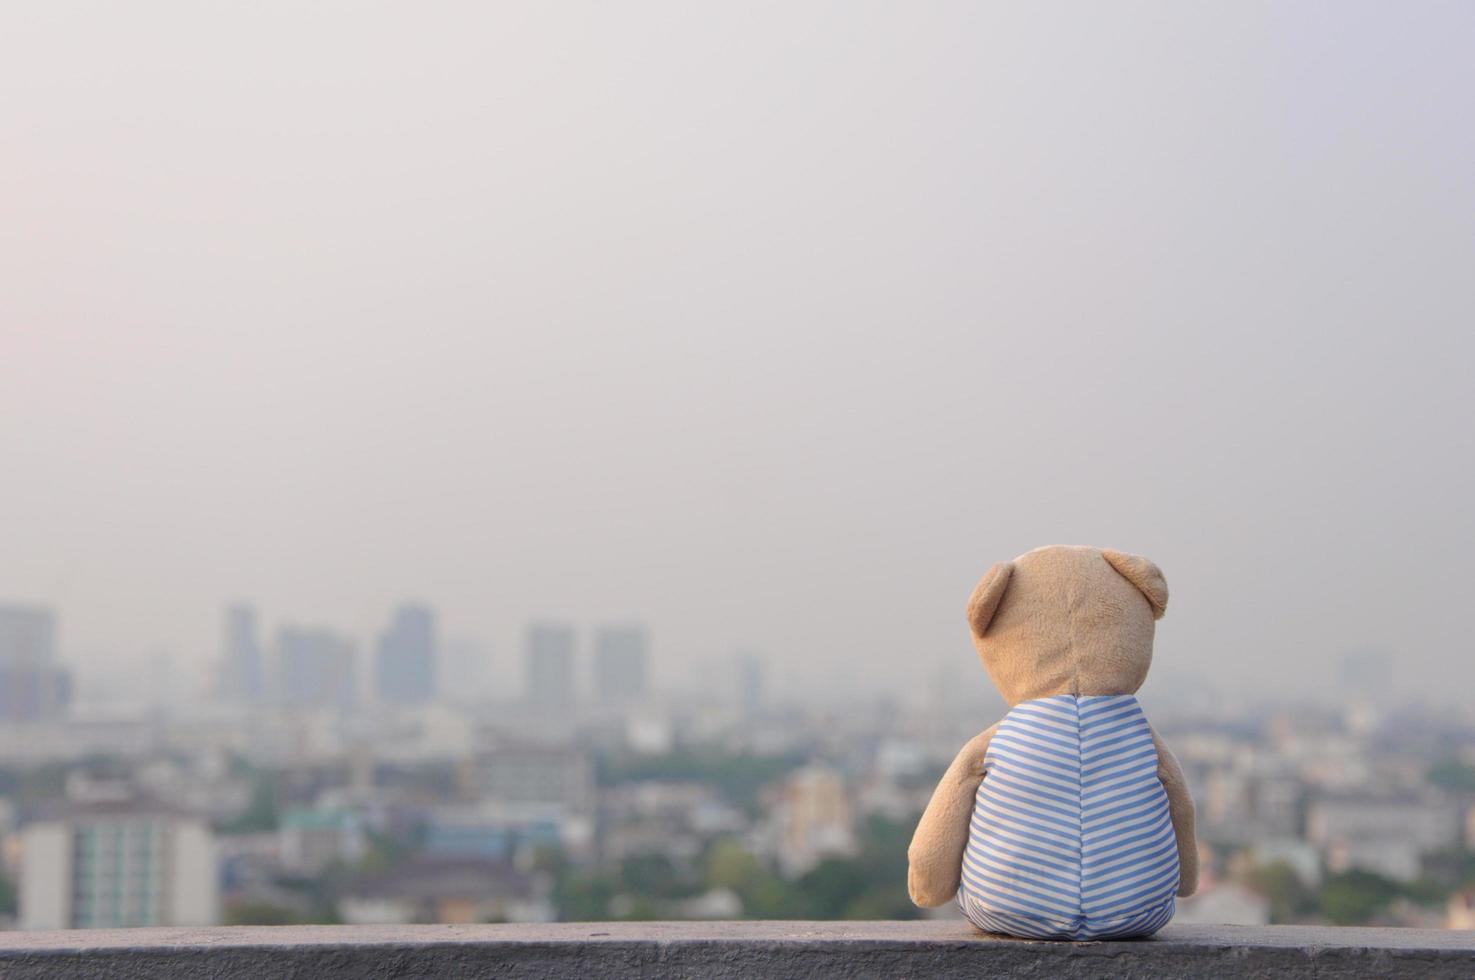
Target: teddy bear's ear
{"x":1145,"y":575}
{"x":984,"y":601}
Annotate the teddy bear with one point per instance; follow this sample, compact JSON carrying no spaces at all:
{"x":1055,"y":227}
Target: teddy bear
{"x":1069,"y":818}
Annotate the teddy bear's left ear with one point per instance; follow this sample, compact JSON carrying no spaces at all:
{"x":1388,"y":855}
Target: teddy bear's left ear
{"x":987,"y":595}
{"x":1145,"y":575}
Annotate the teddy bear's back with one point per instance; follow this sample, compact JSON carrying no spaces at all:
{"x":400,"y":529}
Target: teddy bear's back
{"x":1071,"y":835}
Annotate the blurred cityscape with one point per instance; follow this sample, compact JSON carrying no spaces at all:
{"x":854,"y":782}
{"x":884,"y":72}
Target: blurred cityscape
{"x":327,"y":781}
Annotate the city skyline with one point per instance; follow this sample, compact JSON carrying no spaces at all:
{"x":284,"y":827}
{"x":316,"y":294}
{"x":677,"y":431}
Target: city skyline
{"x":605,"y":663}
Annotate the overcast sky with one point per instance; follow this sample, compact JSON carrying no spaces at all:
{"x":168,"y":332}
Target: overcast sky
{"x":773,"y":325}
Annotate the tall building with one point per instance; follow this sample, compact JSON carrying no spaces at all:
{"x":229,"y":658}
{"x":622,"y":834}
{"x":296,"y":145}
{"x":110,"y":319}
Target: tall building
{"x":405,"y":659}
{"x":33,"y":686}
{"x":243,"y":677}
{"x":620,"y":658}
{"x":750,"y":683}
{"x":550,"y":665}
{"x":117,"y":864}
{"x":316,"y":669}
{"x":1367,"y":673}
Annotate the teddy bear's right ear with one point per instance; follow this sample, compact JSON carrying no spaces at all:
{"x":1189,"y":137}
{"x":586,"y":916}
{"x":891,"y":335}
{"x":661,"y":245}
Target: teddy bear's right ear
{"x":1145,"y":575}
{"x":987,"y":595}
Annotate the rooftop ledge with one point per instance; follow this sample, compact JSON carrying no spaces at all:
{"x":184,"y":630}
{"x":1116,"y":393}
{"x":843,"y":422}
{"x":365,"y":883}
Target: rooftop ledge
{"x":812,"y":950}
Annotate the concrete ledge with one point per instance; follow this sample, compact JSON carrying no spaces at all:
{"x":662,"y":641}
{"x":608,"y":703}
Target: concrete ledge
{"x":809,"y":950}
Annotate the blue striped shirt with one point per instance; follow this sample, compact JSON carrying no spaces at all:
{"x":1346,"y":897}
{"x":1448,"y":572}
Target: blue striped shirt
{"x":1071,"y":836}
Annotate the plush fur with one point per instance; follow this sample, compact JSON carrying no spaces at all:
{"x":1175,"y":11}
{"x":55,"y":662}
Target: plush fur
{"x":1057,"y":620}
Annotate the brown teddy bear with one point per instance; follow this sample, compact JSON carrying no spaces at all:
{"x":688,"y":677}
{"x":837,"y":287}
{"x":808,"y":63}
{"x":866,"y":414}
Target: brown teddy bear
{"x":1069,"y":819}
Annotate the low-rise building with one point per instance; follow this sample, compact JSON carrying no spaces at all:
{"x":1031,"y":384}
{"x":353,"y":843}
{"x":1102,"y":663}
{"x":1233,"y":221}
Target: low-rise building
{"x":501,"y":832}
{"x":1387,"y":834}
{"x":447,"y":890}
{"x":812,"y":820}
{"x":310,"y":840}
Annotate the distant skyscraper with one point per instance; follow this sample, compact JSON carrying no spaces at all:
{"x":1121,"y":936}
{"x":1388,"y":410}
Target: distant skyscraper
{"x":316,"y":669}
{"x":1367,"y":673}
{"x":620,"y":654}
{"x":550,"y":665}
{"x":33,"y":686}
{"x":242,"y":674}
{"x":405,"y":660}
{"x":750,"y":683}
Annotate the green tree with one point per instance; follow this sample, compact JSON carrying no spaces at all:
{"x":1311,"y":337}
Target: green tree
{"x":1353,"y":897}
{"x":584,"y":897}
{"x":1451,"y":868}
{"x":1426,"y":890}
{"x":1288,"y":896}
{"x":8,"y":902}
{"x":263,"y":813}
{"x":831,"y":886}
{"x":881,"y":866}
{"x":891,"y":902}
{"x":1452,"y":774}
{"x":765,"y":895}
{"x":870,"y":885}
{"x":655,"y":876}
{"x":262,"y":914}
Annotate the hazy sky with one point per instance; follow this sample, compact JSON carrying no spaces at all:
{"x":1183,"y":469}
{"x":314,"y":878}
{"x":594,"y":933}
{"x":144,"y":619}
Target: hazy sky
{"x":771,"y":324}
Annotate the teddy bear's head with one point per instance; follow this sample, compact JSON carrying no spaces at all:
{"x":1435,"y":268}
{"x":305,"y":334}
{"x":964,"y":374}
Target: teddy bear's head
{"x":1067,"y":620}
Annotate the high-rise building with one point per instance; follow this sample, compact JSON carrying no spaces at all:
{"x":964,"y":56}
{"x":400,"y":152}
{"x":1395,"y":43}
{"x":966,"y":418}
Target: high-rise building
{"x":405,"y":659}
{"x":749,"y":693}
{"x":117,"y":864}
{"x":620,"y":658}
{"x":316,"y":669}
{"x":1367,"y":673}
{"x":33,"y":686}
{"x":550,"y":665}
{"x":242,"y":677}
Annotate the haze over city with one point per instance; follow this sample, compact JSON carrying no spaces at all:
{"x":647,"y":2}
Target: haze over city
{"x":770,"y":327}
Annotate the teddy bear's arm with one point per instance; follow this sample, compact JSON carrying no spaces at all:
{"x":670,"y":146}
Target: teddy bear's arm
{"x":1180,"y":807}
{"x":935,"y":858}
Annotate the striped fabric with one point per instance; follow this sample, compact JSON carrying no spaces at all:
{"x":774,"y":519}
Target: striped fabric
{"x":1071,"y":836}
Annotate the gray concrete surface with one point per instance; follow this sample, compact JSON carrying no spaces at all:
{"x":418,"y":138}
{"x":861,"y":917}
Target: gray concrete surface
{"x":810,"y":950}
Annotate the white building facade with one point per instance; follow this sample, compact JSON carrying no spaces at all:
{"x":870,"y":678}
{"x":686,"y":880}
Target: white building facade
{"x":118,"y":868}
